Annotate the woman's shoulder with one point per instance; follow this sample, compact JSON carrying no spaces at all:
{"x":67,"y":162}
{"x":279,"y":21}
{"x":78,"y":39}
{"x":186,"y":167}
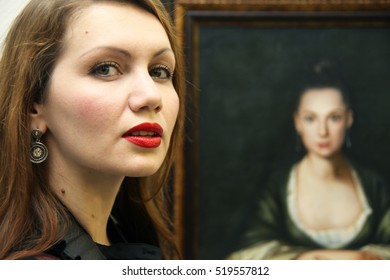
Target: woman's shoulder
{"x":281,"y":172}
{"x":277,"y":182}
{"x":280,"y":175}
{"x":375,"y":186}
{"x":368,"y":175}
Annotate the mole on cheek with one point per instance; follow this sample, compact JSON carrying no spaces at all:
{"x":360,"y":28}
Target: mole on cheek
{"x":86,"y":32}
{"x":62,"y":191}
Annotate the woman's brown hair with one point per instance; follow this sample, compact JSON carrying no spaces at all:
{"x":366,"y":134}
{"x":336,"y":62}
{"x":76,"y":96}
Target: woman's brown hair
{"x":32,"y":219}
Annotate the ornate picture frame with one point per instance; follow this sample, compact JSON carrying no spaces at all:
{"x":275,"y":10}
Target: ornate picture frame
{"x":243,"y":59}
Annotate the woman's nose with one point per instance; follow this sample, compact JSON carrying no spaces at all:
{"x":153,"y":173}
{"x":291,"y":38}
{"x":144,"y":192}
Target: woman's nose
{"x":144,"y":94}
{"x":323,"y":129}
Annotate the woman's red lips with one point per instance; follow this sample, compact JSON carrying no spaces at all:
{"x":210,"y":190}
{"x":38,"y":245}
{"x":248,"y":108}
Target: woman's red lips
{"x":146,"y":135}
{"x":323,"y":145}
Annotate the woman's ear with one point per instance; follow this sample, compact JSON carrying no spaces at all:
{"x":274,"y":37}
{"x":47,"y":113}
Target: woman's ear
{"x":349,"y":118}
{"x":36,"y":118}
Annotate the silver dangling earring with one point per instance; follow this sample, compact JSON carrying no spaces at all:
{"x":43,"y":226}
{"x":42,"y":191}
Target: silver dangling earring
{"x":38,"y":151}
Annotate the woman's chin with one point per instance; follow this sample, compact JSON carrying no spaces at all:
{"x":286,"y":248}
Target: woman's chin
{"x":327,"y":154}
{"x":143,"y":171}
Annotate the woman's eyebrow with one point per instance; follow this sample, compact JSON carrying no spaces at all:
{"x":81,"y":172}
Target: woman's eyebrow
{"x":307,"y":111}
{"x":109,"y":49}
{"x":163,"y":50}
{"x":123,"y":52}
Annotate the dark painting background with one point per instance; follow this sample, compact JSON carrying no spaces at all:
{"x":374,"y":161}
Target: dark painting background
{"x":247,"y":79}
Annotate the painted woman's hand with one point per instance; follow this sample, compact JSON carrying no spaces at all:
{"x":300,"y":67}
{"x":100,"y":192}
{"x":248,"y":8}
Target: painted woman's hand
{"x":337,"y":255}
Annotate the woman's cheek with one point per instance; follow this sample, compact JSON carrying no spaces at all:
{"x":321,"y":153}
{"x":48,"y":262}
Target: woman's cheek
{"x":173,"y":108}
{"x":341,"y":135}
{"x":93,"y":112}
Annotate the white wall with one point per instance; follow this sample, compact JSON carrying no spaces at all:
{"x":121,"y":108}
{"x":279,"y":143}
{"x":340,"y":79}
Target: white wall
{"x":8,"y":11}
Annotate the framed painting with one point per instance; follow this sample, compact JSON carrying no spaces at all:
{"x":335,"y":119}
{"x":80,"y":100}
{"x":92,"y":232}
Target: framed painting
{"x":244,"y":61}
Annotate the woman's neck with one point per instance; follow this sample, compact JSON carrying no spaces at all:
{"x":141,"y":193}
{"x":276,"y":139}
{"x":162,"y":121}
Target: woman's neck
{"x":325,"y":168}
{"x":90,"y":198}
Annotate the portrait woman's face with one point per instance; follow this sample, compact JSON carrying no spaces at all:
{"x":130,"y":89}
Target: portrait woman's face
{"x":111,"y":105}
{"x":321,"y":120}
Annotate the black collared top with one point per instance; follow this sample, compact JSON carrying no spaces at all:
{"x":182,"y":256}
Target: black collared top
{"x":78,"y":245}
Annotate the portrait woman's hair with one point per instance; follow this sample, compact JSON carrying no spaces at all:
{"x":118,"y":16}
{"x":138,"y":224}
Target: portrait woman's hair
{"x":324,"y":74}
{"x":30,"y":213}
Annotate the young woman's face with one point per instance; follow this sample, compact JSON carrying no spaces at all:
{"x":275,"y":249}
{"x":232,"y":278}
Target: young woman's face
{"x":322,"y":120}
{"x":111,"y":105}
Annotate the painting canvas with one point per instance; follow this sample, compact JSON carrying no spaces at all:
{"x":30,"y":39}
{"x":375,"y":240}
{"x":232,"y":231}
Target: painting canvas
{"x":245,"y":62}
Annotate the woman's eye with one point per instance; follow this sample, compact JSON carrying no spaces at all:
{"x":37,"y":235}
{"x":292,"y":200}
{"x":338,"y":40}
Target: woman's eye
{"x":105,"y":69}
{"x":161,"y":72}
{"x":308,"y":118}
{"x":335,"y":118}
